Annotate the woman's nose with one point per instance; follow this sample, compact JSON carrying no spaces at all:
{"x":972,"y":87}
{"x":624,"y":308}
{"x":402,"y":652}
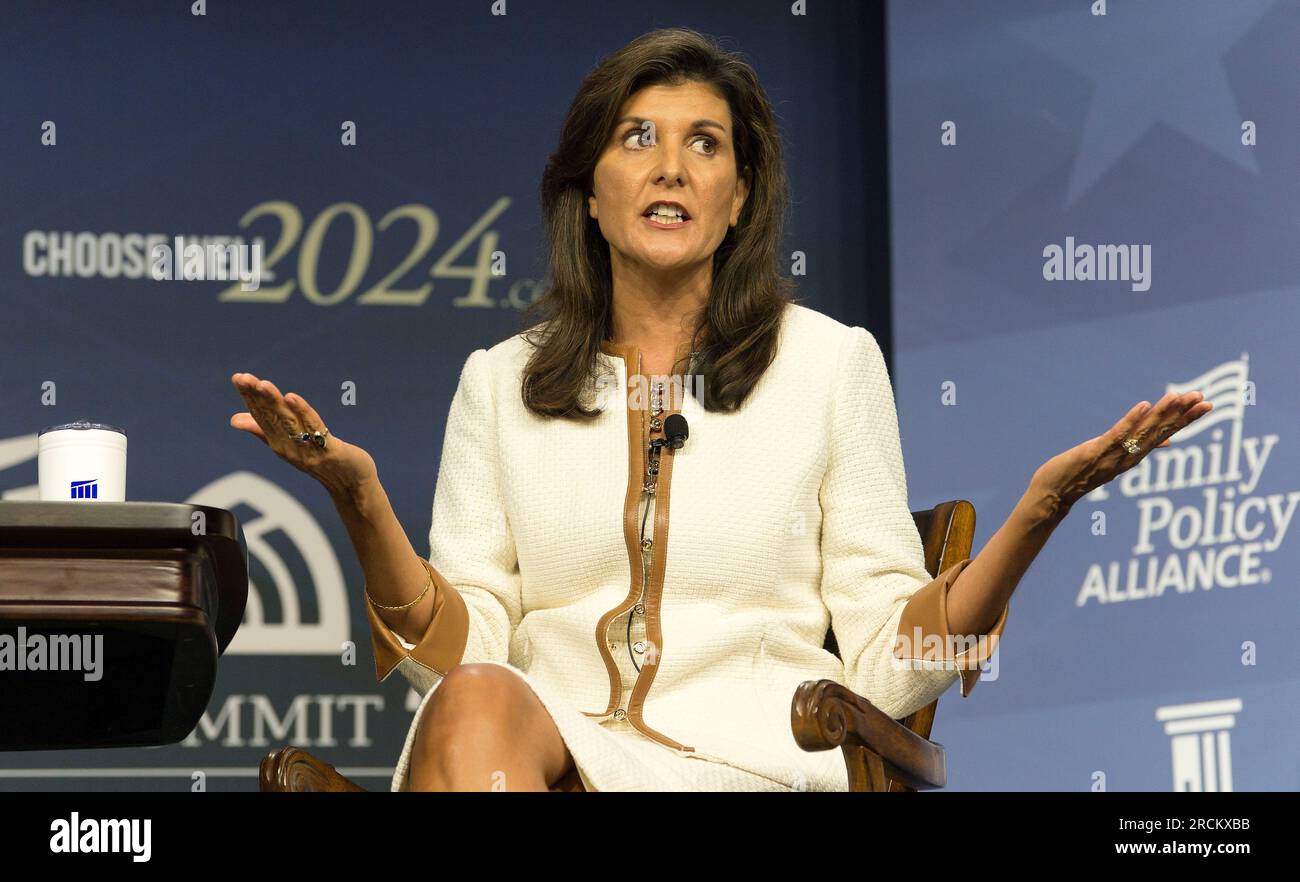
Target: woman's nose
{"x":670,"y":169}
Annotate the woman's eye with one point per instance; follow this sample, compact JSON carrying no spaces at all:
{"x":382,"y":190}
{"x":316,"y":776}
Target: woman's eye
{"x":634,"y":139}
{"x":712,"y":144}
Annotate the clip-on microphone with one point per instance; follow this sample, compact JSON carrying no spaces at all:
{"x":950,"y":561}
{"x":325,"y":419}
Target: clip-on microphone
{"x":676,"y":431}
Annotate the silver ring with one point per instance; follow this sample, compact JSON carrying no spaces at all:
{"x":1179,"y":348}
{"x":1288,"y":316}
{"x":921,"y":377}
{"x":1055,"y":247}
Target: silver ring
{"x":1132,"y":445}
{"x":317,"y":438}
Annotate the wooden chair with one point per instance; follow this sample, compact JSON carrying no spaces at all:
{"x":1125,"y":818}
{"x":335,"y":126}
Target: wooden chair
{"x":882,"y":754}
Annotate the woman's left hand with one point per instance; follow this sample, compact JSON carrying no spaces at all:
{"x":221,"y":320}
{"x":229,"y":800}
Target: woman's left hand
{"x":1067,"y":477}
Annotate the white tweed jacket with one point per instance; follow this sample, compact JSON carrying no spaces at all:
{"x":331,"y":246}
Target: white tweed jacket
{"x":770,"y":525}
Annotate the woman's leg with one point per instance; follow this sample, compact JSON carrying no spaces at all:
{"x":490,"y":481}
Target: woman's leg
{"x":485,"y":729}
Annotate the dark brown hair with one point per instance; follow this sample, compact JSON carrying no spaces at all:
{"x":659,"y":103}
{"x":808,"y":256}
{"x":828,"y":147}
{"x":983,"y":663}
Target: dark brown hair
{"x":737,"y":333}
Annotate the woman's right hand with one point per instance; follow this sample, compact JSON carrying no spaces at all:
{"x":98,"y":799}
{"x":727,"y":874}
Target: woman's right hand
{"x":342,"y":467}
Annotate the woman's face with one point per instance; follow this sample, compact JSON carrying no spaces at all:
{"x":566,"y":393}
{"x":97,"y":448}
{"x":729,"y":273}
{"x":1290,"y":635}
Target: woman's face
{"x":672,"y":144}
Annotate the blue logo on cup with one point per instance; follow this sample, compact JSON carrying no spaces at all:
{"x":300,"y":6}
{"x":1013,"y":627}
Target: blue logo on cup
{"x":85,"y":489}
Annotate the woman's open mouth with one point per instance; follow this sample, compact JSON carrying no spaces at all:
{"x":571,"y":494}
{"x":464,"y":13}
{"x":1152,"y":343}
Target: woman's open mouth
{"x":666,"y":215}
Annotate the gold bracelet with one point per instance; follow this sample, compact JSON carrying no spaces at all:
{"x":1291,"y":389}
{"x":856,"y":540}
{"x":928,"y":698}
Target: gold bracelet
{"x":404,"y":605}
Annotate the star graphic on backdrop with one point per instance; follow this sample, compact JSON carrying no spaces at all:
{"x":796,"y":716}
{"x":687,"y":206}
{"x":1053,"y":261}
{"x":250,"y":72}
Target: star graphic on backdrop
{"x":1145,"y":75}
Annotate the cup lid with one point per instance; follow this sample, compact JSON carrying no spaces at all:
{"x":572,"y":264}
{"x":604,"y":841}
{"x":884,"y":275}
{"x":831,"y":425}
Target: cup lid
{"x":82,"y":424}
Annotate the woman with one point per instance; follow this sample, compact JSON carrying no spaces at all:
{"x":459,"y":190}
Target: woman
{"x":569,"y":638}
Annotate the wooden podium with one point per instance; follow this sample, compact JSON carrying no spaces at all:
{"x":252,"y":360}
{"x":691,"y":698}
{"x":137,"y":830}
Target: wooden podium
{"x":112,"y":617}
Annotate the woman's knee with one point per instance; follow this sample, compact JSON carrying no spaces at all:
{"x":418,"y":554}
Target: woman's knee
{"x":471,"y":702}
{"x":486,"y":709}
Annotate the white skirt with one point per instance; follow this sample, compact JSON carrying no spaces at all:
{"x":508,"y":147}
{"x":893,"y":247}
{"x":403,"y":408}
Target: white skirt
{"x":612,"y":755}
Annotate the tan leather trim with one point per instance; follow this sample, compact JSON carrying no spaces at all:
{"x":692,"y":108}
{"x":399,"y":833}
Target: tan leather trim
{"x":923,"y":629}
{"x":631,"y":501}
{"x":637,"y":444}
{"x":442,"y":645}
{"x":654,"y":593}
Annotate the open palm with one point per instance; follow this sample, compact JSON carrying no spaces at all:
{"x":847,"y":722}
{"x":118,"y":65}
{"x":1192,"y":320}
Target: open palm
{"x":272,"y":417}
{"x":1068,"y":476}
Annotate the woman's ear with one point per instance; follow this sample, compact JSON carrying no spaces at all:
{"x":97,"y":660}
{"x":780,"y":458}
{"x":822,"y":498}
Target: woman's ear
{"x":744,"y":181}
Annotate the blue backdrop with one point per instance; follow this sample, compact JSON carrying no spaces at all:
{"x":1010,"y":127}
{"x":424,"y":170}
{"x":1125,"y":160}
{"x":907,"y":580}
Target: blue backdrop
{"x":1152,"y":644}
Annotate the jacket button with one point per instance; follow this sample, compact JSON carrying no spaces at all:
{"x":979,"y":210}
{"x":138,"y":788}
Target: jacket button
{"x":646,"y":543}
{"x":639,"y":609}
{"x":620,"y":714}
{"x":638,"y":646}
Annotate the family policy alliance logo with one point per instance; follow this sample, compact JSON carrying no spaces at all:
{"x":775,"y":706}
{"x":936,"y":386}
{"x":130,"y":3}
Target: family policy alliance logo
{"x":1220,"y":540}
{"x":1201,"y":744}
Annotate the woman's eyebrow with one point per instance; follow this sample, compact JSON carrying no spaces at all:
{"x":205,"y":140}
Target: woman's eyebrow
{"x":698,"y":124}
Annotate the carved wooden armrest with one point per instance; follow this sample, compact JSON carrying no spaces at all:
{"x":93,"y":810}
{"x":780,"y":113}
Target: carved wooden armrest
{"x":825,"y":714}
{"x":291,"y":770}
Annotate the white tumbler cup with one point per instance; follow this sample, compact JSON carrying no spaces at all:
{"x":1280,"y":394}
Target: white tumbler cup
{"x":81,"y":462}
